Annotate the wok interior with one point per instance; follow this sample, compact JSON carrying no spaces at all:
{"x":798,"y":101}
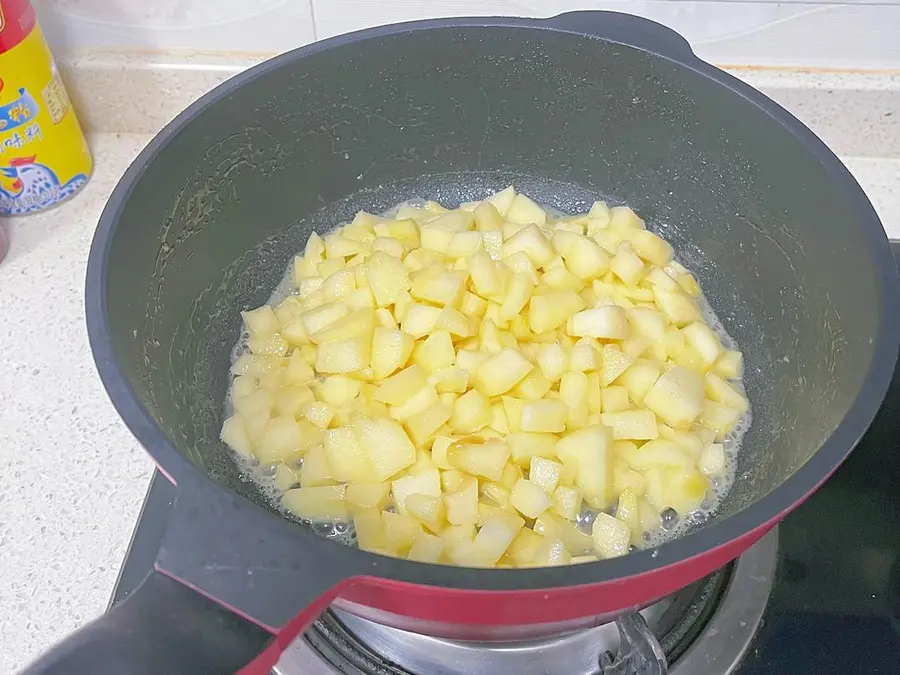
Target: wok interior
{"x":454,"y":114}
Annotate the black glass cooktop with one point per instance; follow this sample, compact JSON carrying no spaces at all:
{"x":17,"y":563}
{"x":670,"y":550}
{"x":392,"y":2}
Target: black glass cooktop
{"x":835,"y":606}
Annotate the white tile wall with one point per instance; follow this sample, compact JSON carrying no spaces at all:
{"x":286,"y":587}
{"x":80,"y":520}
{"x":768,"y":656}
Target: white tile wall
{"x":861,"y":34}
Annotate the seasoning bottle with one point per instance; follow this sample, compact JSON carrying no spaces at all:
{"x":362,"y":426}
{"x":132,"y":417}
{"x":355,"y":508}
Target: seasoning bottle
{"x":44,"y":158}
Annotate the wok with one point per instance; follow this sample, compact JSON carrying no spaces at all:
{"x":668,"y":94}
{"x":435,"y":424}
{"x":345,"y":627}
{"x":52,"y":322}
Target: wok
{"x":789,"y":251}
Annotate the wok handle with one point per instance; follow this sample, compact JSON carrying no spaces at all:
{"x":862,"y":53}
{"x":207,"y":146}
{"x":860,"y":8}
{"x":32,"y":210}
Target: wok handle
{"x":162,"y":627}
{"x":627,"y":29}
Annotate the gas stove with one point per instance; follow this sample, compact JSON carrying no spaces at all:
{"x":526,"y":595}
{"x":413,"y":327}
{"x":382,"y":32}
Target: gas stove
{"x":818,"y":595}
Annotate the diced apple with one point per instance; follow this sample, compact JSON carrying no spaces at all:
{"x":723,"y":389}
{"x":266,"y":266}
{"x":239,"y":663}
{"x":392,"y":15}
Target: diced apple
{"x":401,"y":387}
{"x":435,"y":352}
{"x":720,"y":391}
{"x":400,"y":531}
{"x":608,"y":322}
{"x":338,"y":390}
{"x":315,"y":471}
{"x":730,"y":365}
{"x":422,"y":426}
{"x":495,"y":536}
{"x":344,"y":356}
{"x":614,"y":399}
{"x":461,"y":506}
{"x":712,"y":460}
{"x":501,"y":372}
{"x":317,"y":503}
{"x":425,"y":483}
{"x":611,"y":536}
{"x":613,"y":362}
{"x":367,"y":495}
{"x":637,"y":425}
{"x":546,"y":416}
{"x":427,"y":548}
{"x":369,"y":529}
{"x":524,"y":446}
{"x":551,"y":552}
{"x":319,"y":413}
{"x":545,"y":473}
{"x":677,"y":397}
{"x":627,"y":266}
{"x":680,"y":309}
{"x":590,"y":450}
{"x":485,"y":277}
{"x":387,"y":278}
{"x":486,"y":459}
{"x":552,"y":360}
{"x":234,"y":434}
{"x":567,"y":502}
{"x":640,"y":377}
{"x":428,"y":510}
{"x":386,"y":445}
{"x":523,"y":210}
{"x":471,"y":412}
{"x":548,"y":312}
{"x":718,"y":417}
{"x":529,"y":499}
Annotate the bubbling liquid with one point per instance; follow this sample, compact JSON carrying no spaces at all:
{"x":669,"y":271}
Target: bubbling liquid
{"x":263,"y":476}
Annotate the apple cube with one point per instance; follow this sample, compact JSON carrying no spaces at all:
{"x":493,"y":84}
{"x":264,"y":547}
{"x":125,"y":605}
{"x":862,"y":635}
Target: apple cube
{"x":608,"y":322}
{"x":730,"y":365}
{"x":637,"y":425}
{"x":234,"y":434}
{"x":567,"y":502}
{"x":317,"y":503}
{"x":611,"y":536}
{"x":677,"y":397}
{"x":427,"y":548}
{"x":495,"y":536}
{"x":640,"y":377}
{"x":551,"y":552}
{"x":524,"y":446}
{"x":425,"y":483}
{"x":546,"y":416}
{"x":573,"y":391}
{"x":679,"y":308}
{"x":402,"y":386}
{"x":344,"y":356}
{"x":471,"y":412}
{"x":435,"y":352}
{"x":712,"y":460}
{"x":400,"y":531}
{"x":548,"y":312}
{"x":613,"y":362}
{"x":523,"y":547}
{"x":552,"y":360}
{"x":523,"y":211}
{"x":367,"y":495}
{"x":315,"y":471}
{"x":461,"y":506}
{"x":529,"y":498}
{"x":386,"y":446}
{"x":369,"y":528}
{"x":614,"y":399}
{"x":720,"y":391}
{"x":501,"y":372}
{"x":718,"y":417}
{"x":427,"y":509}
{"x":346,"y":457}
{"x":422,"y":426}
{"x":545,"y":473}
{"x":387,"y":278}
{"x":590,"y":450}
{"x":486,"y":459}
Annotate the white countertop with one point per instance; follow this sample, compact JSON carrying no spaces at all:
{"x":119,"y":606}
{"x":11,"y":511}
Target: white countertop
{"x":72,"y":478}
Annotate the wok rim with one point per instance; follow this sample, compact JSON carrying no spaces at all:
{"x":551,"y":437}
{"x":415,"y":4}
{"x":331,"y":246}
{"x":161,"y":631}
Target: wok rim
{"x":715,"y":536}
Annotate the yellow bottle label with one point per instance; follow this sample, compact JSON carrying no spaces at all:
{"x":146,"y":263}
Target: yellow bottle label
{"x":44,"y":157}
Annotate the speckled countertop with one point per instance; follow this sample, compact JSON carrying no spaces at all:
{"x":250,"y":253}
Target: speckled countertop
{"x":71,"y":476}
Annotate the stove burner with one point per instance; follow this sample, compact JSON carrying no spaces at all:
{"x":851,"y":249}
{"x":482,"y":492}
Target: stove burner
{"x":705,"y":628}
